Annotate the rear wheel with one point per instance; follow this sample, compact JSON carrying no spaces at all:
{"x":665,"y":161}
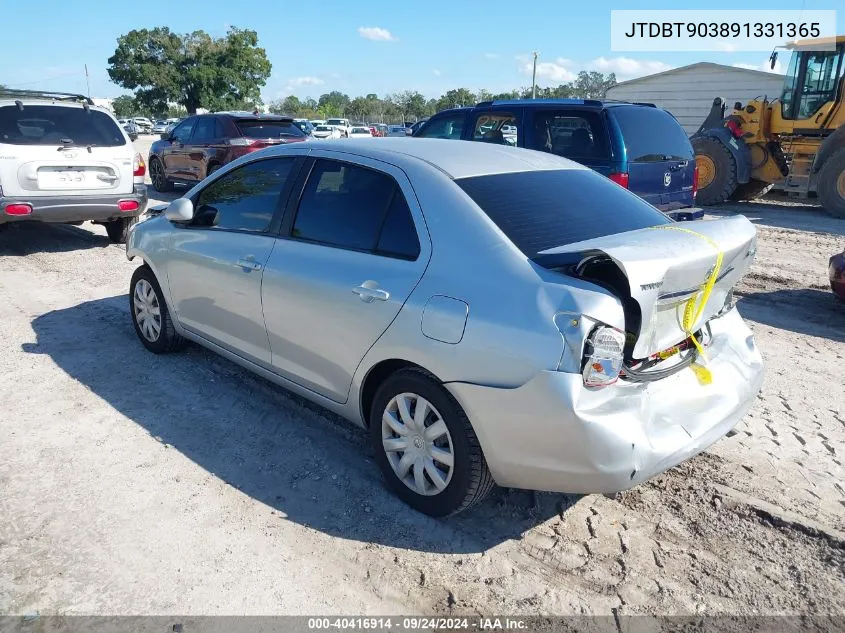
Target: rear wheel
{"x":158,"y":177}
{"x":118,"y":230}
{"x":751,"y":190}
{"x":831,"y":187}
{"x":716,"y":171}
{"x":426,"y":446}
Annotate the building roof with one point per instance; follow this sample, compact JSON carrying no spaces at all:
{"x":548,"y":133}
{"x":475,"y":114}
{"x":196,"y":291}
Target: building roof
{"x":683,"y":69}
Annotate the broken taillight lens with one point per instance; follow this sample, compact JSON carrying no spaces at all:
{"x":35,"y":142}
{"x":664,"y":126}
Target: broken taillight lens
{"x":603,"y":356}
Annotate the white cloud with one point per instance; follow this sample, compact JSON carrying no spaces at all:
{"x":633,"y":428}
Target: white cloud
{"x":375,"y":33}
{"x":764,"y":66}
{"x":627,"y":68}
{"x":725,"y":47}
{"x":559,"y":70}
{"x":305,"y":81}
{"x":436,"y":71}
{"x":491,"y":56}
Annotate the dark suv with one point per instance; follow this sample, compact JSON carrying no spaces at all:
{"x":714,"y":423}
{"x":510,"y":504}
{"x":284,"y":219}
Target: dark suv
{"x":637,"y":145}
{"x":203,"y":143}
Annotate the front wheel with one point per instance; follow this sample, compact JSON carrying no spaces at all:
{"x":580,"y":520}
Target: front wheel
{"x":158,"y":176}
{"x":831,"y":184}
{"x":150,"y":316}
{"x":716,"y":171}
{"x":426,"y":446}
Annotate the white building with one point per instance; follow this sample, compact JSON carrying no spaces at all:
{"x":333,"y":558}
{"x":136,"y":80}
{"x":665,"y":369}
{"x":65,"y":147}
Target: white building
{"x":688,"y":91}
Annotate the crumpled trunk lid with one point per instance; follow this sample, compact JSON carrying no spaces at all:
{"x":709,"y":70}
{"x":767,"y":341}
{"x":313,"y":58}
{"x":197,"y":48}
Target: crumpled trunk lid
{"x":664,"y":267}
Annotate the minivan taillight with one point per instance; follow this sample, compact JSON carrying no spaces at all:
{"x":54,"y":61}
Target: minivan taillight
{"x":603,"y":356}
{"x":18,"y":209}
{"x":620,"y":178}
{"x":139,"y":167}
{"x":695,"y":181}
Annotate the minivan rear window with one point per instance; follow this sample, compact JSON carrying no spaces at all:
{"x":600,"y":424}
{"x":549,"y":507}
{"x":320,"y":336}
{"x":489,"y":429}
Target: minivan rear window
{"x":651,"y":134}
{"x":256,"y":128}
{"x":538,"y":210}
{"x":58,"y":125}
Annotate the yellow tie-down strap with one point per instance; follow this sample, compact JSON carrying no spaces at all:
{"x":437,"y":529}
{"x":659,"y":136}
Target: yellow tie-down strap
{"x":695,"y":305}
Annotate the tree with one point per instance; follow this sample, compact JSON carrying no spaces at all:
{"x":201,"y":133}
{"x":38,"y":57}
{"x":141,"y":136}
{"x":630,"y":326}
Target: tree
{"x":592,"y":85}
{"x":332,"y":104}
{"x":455,"y":98}
{"x":124,"y":106}
{"x":193,"y":70}
{"x":409,"y":104}
{"x":289,"y":105}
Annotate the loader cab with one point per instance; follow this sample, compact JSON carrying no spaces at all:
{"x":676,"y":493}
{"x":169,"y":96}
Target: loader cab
{"x":813,"y":79}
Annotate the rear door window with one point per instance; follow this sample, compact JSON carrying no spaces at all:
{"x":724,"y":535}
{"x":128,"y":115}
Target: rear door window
{"x":447,"y":126}
{"x":256,"y":128}
{"x":354,"y":207}
{"x":58,"y":125}
{"x":538,"y":210}
{"x":577,"y":134}
{"x":205,"y":130}
{"x":651,"y":135}
{"x":499,"y":128}
{"x":182,"y":132}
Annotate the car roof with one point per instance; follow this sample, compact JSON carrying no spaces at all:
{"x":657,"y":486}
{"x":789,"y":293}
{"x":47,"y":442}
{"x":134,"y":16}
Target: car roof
{"x":531,"y":103}
{"x":455,"y":159}
{"x":250,"y":115}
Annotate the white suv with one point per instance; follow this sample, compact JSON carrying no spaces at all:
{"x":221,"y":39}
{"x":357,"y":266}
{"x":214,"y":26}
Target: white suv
{"x":63,"y":159}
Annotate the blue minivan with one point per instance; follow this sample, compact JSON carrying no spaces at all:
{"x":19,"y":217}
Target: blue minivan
{"x":637,"y":145}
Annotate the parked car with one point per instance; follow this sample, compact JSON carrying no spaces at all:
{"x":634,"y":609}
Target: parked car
{"x":638,"y":146}
{"x":836,"y":272}
{"x":396,"y":130}
{"x":305,"y":126}
{"x":67,"y":160}
{"x":326,"y":132}
{"x":317,"y":122}
{"x":379,"y":129}
{"x":130,"y":128}
{"x":361,"y":131}
{"x":144,"y":124}
{"x":160,"y":127}
{"x":203,"y":143}
{"x":583,"y":377}
{"x":341,"y":124}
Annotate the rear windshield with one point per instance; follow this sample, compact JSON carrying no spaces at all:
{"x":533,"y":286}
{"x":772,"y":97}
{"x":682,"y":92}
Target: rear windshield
{"x":538,"y":210}
{"x":58,"y":125}
{"x":254,"y":128}
{"x":651,"y":134}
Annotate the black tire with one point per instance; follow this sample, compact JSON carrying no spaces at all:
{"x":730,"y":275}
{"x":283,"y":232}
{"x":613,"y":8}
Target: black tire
{"x":211,"y":169}
{"x":118,"y":230}
{"x":751,"y":190}
{"x":831,"y":184}
{"x":157,"y":176}
{"x":168,"y":340}
{"x":470,"y":481}
{"x":723,"y":184}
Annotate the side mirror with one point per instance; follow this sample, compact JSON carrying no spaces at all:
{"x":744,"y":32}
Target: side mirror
{"x":165,"y":136}
{"x":180,"y":210}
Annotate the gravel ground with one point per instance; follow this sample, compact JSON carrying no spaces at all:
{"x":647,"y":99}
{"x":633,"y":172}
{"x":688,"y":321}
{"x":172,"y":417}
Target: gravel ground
{"x":136,"y":484}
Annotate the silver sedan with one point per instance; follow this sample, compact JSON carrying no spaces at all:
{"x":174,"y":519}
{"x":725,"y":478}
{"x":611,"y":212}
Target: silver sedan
{"x":488,"y":313}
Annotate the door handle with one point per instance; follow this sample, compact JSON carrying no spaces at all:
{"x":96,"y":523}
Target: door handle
{"x":248,"y":263}
{"x":369,"y":292}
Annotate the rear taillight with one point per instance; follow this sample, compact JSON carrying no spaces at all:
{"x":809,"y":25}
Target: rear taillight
{"x":18,"y":209}
{"x":734,"y":127}
{"x":695,"y":181}
{"x":603,"y":356}
{"x":620,"y":178}
{"x":128,"y":205}
{"x":139,"y":167}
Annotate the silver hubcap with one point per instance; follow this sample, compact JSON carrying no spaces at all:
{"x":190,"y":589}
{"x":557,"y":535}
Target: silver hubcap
{"x":147,"y":310}
{"x":417,"y":443}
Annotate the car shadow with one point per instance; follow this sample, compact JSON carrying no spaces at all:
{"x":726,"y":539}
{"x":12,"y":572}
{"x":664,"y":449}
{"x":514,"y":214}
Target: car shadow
{"x":802,"y":310}
{"x":305,"y":463}
{"x":19,"y":239}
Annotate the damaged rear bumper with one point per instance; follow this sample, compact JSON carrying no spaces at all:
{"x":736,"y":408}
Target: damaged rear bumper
{"x":554,"y":434}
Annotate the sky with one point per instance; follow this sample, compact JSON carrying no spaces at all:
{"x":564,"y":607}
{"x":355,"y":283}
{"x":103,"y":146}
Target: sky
{"x":359,"y":47}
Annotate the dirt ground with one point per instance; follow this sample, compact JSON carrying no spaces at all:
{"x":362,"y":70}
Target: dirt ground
{"x":136,"y":484}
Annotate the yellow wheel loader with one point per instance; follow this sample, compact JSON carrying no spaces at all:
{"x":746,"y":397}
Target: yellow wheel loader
{"x":796,"y":142}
